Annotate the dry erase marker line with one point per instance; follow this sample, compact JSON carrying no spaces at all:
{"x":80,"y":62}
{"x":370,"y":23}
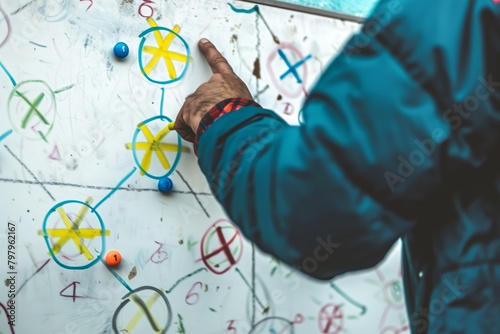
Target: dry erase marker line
{"x":309,"y":10}
{"x":144,"y":308}
{"x":84,"y":186}
{"x":161,"y":102}
{"x":60,"y":90}
{"x":254,"y":295}
{"x":11,"y":78}
{"x":86,"y":233}
{"x":256,"y":9}
{"x":121,"y":280}
{"x":163,"y":45}
{"x":43,"y":136}
{"x":349,"y":299}
{"x":39,"y":45}
{"x":33,"y":108}
{"x":6,"y":134}
{"x":116,"y":188}
{"x":73,"y":231}
{"x":163,"y":146}
{"x":151,"y":148}
{"x":22,"y":7}
{"x":184,"y":278}
{"x":36,"y":272}
{"x":194,"y":194}
{"x":11,"y":324}
{"x":30,"y":172}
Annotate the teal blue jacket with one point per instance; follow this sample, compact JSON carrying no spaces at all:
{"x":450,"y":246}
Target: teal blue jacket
{"x":400,"y":139}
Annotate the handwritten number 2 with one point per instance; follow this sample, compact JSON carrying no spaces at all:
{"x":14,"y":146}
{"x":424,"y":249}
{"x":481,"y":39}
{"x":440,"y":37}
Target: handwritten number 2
{"x":230,"y":327}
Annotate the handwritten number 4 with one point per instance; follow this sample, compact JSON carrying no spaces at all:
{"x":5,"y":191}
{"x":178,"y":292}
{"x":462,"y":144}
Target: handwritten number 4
{"x":74,"y":295}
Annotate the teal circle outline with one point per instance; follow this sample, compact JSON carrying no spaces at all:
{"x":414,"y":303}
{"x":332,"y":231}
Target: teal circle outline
{"x":46,"y":237}
{"x":141,"y":65}
{"x":134,"y":153}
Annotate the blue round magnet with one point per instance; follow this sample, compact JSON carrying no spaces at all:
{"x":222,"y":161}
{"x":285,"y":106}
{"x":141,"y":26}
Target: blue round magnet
{"x":165,"y":184}
{"x":121,"y":50}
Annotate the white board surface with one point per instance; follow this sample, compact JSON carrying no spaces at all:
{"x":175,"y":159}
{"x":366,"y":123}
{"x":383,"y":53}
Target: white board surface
{"x":71,"y":116}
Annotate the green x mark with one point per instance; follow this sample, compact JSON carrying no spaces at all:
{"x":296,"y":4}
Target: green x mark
{"x":33,"y":109}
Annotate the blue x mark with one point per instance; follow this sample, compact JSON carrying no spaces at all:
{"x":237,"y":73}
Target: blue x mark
{"x":292,"y":68}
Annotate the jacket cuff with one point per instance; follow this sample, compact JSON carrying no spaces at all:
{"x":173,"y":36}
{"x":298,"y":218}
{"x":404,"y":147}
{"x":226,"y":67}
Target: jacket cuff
{"x":216,"y":112}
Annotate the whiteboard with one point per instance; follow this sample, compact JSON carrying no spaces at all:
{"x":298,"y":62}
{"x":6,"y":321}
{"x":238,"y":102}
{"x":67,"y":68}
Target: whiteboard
{"x":75,"y":181}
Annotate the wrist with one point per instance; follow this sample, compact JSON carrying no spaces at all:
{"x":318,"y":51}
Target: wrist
{"x":195,"y":122}
{"x":221,"y":108}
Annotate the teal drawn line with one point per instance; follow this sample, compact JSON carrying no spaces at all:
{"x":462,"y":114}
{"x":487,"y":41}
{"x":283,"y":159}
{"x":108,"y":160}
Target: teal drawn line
{"x":117,"y":276}
{"x":116,"y":188}
{"x":40,"y":45}
{"x":246,"y":11}
{"x":161,"y":102}
{"x":49,"y":246}
{"x":134,"y":150}
{"x":141,"y":47}
{"x":349,"y":299}
{"x":248,"y":284}
{"x":292,"y":69}
{"x":60,"y":90}
{"x":183,"y":278}
{"x":255,"y":9}
{"x":8,"y":74}
{"x":5,"y":135}
{"x":43,"y":137}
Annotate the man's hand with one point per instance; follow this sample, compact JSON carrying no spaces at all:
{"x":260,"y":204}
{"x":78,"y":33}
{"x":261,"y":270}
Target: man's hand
{"x":224,"y":84}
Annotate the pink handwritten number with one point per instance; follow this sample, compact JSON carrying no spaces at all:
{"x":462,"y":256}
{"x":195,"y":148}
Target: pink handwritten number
{"x":230,"y":326}
{"x":299,"y":318}
{"x":91,"y":3}
{"x":159,"y":257}
{"x":146,"y":4}
{"x":288,"y":108}
{"x":190,"y":295}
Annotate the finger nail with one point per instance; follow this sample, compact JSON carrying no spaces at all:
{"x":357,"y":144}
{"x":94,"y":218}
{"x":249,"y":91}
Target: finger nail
{"x":204,"y":40}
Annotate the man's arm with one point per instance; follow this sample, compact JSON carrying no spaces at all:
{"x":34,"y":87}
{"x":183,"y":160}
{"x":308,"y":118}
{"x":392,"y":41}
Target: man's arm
{"x":377,"y":148}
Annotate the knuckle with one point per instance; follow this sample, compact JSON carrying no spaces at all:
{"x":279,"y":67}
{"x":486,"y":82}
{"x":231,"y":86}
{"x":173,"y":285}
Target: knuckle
{"x":203,"y":87}
{"x":217,"y":77}
{"x":218,"y":60}
{"x":190,"y":96}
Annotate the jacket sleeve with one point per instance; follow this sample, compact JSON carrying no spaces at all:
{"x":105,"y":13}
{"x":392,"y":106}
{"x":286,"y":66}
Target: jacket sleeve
{"x":377,"y":145}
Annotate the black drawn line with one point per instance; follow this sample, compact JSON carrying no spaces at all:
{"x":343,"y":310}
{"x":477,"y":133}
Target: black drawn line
{"x":74,"y":185}
{"x":31,"y":173}
{"x":194,"y":194}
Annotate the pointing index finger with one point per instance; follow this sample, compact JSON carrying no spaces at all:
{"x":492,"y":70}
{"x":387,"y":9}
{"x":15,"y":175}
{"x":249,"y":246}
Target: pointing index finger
{"x":217,"y":62}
